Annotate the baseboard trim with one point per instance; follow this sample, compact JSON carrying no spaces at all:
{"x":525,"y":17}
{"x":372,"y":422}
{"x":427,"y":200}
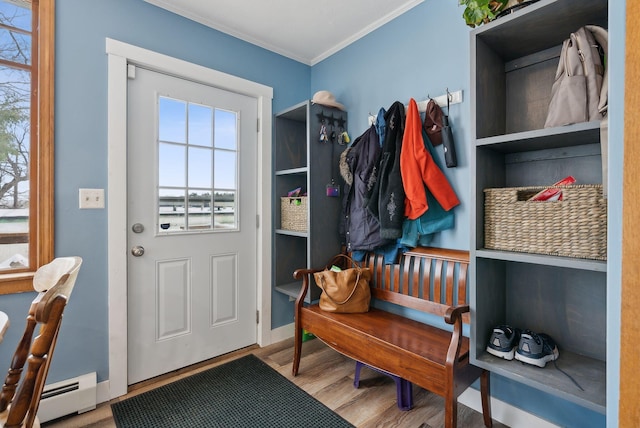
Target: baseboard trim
{"x":282,"y":333}
{"x":504,"y":412}
{"x":102,"y":392}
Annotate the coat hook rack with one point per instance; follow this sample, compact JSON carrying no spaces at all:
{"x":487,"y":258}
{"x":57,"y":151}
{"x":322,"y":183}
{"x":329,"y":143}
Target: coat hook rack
{"x":453,"y":97}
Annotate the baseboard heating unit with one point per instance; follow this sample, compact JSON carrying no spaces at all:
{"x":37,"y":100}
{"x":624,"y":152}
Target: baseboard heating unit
{"x":77,"y":395}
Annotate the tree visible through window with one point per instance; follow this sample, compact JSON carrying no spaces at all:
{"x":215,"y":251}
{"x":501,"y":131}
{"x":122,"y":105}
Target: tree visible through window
{"x":26,"y":140}
{"x":15,"y":100}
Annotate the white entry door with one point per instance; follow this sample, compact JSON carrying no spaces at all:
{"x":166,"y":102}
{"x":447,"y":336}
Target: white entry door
{"x":192,"y":230}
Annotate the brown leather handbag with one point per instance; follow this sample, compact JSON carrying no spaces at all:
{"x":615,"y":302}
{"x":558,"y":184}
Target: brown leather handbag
{"x":345,"y":291}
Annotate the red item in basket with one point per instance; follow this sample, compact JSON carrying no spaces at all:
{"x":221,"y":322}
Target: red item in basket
{"x":553,"y":194}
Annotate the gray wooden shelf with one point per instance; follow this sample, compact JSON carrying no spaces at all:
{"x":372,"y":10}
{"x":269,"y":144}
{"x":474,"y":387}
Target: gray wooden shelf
{"x":589,"y":373}
{"x":541,"y":259}
{"x":292,"y":171}
{"x":549,"y":21}
{"x":292,"y":233}
{"x":541,"y":139}
{"x":291,"y":289}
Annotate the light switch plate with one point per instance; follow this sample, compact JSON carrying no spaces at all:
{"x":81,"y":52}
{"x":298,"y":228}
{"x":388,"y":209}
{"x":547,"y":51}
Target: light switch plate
{"x":91,"y":198}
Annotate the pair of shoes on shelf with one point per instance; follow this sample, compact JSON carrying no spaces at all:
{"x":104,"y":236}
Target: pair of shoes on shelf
{"x":525,"y":346}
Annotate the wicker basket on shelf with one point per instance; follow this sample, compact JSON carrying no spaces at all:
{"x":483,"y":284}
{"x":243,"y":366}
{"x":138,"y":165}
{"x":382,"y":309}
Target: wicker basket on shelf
{"x":575,"y":226}
{"x":293,"y":213}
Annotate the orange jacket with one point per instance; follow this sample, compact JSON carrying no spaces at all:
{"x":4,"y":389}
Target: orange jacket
{"x":419,"y":169}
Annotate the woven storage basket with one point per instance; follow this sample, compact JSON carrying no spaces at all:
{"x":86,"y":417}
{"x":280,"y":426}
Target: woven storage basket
{"x":293,"y":213}
{"x":573,"y":227}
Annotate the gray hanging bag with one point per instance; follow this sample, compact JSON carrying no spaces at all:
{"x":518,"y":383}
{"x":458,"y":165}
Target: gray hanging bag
{"x":580,"y":91}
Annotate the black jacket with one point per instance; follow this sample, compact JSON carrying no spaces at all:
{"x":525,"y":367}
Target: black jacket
{"x":386,"y":201}
{"x":360,"y":229}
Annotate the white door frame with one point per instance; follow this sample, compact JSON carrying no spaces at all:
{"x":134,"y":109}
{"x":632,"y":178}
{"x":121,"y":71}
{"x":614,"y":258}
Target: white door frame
{"x":119,"y":56}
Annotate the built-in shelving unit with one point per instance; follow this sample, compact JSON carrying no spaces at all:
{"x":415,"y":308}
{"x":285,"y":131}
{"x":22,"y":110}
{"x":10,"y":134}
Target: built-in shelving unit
{"x":514,"y":60}
{"x":302,"y":160}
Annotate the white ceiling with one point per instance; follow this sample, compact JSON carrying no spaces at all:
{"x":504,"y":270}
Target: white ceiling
{"x":307,"y":31}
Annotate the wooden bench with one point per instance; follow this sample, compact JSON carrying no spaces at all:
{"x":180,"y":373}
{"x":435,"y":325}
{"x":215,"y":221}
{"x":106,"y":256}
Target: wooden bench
{"x":429,"y":280}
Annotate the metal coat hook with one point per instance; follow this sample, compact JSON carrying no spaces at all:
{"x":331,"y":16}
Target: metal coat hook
{"x":445,"y":100}
{"x":372,"y":119}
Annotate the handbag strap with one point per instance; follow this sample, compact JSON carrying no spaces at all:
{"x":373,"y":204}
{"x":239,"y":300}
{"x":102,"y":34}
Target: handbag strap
{"x":355,"y":286}
{"x":353,"y":262}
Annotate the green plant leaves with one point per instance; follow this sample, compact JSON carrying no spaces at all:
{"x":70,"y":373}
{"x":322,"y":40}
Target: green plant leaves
{"x":481,"y":11}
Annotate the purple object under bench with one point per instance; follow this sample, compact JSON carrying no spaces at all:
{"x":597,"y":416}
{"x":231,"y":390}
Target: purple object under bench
{"x":403,"y":387}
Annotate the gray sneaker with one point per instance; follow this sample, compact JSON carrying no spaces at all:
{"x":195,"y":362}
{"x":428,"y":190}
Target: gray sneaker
{"x":536,"y":349}
{"x":503,"y":342}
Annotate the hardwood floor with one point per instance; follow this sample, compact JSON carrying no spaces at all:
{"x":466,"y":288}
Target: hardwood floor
{"x":327,"y":376}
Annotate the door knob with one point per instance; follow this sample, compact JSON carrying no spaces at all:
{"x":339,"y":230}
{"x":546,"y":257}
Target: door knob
{"x":137,"y":251}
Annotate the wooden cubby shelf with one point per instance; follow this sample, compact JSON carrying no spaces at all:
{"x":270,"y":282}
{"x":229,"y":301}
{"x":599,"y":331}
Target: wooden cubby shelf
{"x":513,"y":65}
{"x":301,"y":160}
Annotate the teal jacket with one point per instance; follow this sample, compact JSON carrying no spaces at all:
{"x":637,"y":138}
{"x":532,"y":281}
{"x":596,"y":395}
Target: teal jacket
{"x":419,"y":232}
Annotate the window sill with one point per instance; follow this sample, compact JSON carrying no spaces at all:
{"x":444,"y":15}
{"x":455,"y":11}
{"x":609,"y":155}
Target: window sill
{"x":11,"y":283}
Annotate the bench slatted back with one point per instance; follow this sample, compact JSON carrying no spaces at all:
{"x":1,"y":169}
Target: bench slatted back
{"x":426,"y":279}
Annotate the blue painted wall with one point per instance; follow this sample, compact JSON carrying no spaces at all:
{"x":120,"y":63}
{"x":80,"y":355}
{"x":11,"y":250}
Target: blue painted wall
{"x":81,"y":149}
{"x":420,"y":53}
